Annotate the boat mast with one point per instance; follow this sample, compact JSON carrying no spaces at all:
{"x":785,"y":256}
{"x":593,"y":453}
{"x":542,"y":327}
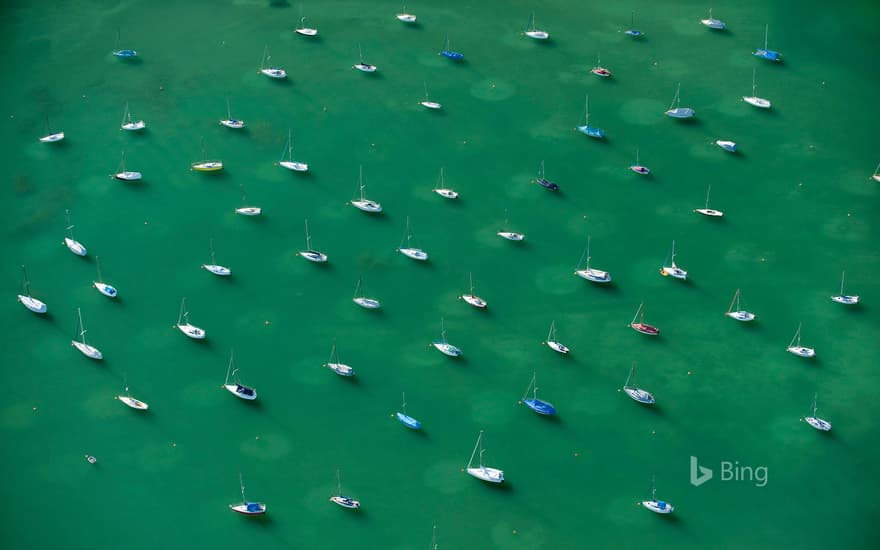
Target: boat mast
{"x":81,"y":328}
{"x":229,"y":368}
{"x":182,"y":314}
{"x":98,"y":265}
{"x":308,"y":238}
{"x":26,"y":283}
{"x":766,"y":30}
{"x":471,"y":278}
{"x":480,"y":446}
{"x":707,"y":191}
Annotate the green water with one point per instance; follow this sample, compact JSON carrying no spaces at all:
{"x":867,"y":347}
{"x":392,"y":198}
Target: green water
{"x":799,"y":209}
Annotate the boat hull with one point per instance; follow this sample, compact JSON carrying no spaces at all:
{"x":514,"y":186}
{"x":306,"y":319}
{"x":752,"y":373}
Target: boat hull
{"x":208,"y":166}
{"x":249,"y":211}
{"x":645,"y":328}
{"x":365,"y":67}
{"x":716,"y":24}
{"x":681,"y":112}
{"x":32,"y":304}
{"x":709,"y":212}
{"x":341,"y":369}
{"x":368,"y":303}
{"x":675,"y":272}
{"x":305,"y":31}
{"x":446,"y":348}
{"x":218,"y":269}
{"x":538,"y":35}
{"x":75,"y":246}
{"x":845,"y":299}
{"x":557,"y":347}
{"x":133,"y":126}
{"x":744,"y":316}
{"x":511,"y":236}
{"x":295,"y":166}
{"x":769,"y":55}
{"x":133,"y":403}
{"x":658,"y":506}
{"x":540,"y":407}
{"x":446,"y":193}
{"x":639,"y":169}
{"x":89,"y":351}
{"x":367,"y":205}
{"x":594,"y":275}
{"x":414,"y":253}
{"x":601,"y":71}
{"x":409,"y":421}
{"x":192,"y":331}
{"x":242,"y":392}
{"x":313,"y":256}
{"x":431,"y":105}
{"x":475,"y":301}
{"x":801,"y":351}
{"x":727,"y":145}
{"x":346,"y":502}
{"x":640,"y":395}
{"x":818,"y":423}
{"x":406,"y":17}
{"x":759,"y":102}
{"x":51,"y":138}
{"x":592,"y":131}
{"x":274,"y":72}
{"x":249,"y":508}
{"x":128,"y":176}
{"x":492,"y":475}
{"x":232,"y":123}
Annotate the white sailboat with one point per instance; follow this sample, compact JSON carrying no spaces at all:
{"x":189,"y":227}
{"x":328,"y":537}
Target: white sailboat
{"x":599,"y":70}
{"x":206,"y":165}
{"x":184,"y":325}
{"x":364,"y":203}
{"x":654,"y":505}
{"x":333,"y":364}
{"x":713,"y":23}
{"x":303,"y":30}
{"x":247,"y":508}
{"x":738,"y":312}
{"x":408,"y":250}
{"x":126,"y":175}
{"x":268,"y":70}
{"x":444,"y":346}
{"x":230,"y":122}
{"x":87,"y":350}
{"x":26,"y":299}
{"x":639,"y":168}
{"x":245,"y":210}
{"x":492,"y":475}
{"x":842,"y":298}
{"x":129,"y":124}
{"x":706,"y":211}
{"x":673,"y":269}
{"x":340,"y":499}
{"x":591,"y":274}
{"x":635,"y":392}
{"x":727,"y":145}
{"x":814,"y":421}
{"x":509,"y":235}
{"x":753,"y":99}
{"x":361,"y":299}
{"x":796,"y":348}
{"x":533,"y":32}
{"x":427,"y":103}
{"x":444,"y":191}
{"x":130,"y":401}
{"x":287,"y":157}
{"x":308,"y":253}
{"x":51,"y":136}
{"x":876,"y":175}
{"x":236,"y":388}
{"x":405,"y":16}
{"x":215,"y":268}
{"x":72,"y":244}
{"x":675,"y":109}
{"x":553,"y":343}
{"x":361,"y":66}
{"x":472,"y":298}
{"x":105,"y":289}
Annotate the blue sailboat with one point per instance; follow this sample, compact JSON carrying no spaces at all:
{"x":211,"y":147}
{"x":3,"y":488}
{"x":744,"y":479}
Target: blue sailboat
{"x":764,"y":53}
{"x":591,"y":131}
{"x":451,"y":54}
{"x":407,"y":420}
{"x":537,"y":405}
{"x":122,"y":53}
{"x":632,"y":31}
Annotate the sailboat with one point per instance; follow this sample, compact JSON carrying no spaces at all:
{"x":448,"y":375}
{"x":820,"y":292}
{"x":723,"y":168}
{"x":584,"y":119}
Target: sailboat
{"x":673,"y":269}
{"x":442,"y":345}
{"x":434,"y":545}
{"x":214,"y":268}
{"x":247,"y":507}
{"x":532,"y":32}
{"x":360,"y":65}
{"x":444,"y":191}
{"x":245,"y":210}
{"x":364,"y":203}
{"x":599,"y":70}
{"x":654,"y":505}
{"x":269,"y":70}
{"x":675,"y":109}
{"x":405,"y":16}
{"x":51,"y":136}
{"x":635,"y":392}
{"x":737,"y":312}
{"x":344,"y":501}
{"x":588,"y":273}
{"x":131,"y":125}
{"x":632,"y":31}
{"x":206,"y":165}
{"x":472,"y":298}
{"x":185,"y":327}
{"x":727,"y":145}
{"x":509,"y":235}
{"x":591,"y":131}
{"x":409,"y":251}
{"x":86,"y":349}
{"x":706,"y":211}
{"x":713,"y":23}
{"x":303,"y":30}
{"x":448,"y":53}
{"x":103,"y":288}
{"x":287,"y":159}
{"x":361,"y":299}
{"x":876,"y":175}
{"x":538,"y":405}
{"x":428,"y":104}
{"x":130,"y":401}
{"x":236,"y":388}
{"x":842,"y":298}
{"x":553,"y":343}
{"x":26,"y":299}
{"x":126,"y":175}
{"x":124,"y":52}
{"x":72,"y":244}
{"x":308,"y":253}
{"x":407,"y":420}
{"x":492,"y":475}
{"x":230,"y":122}
{"x":641,"y":326}
{"x":759,"y":102}
{"x":544,"y":182}
{"x":333,"y":363}
{"x":764,"y":53}
{"x":796,"y":348}
{"x":638,"y":168}
{"x":815,"y":421}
